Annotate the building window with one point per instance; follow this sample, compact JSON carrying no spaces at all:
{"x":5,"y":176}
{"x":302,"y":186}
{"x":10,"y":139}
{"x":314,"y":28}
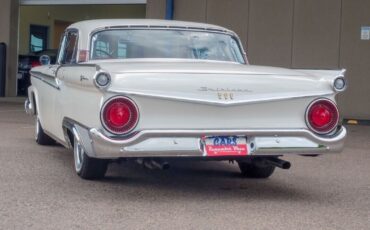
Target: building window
{"x":38,"y":38}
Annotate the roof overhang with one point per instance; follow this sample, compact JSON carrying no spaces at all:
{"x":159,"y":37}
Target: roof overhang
{"x":80,"y":2}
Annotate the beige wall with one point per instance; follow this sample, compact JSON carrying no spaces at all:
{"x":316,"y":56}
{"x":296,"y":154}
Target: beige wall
{"x":309,"y":34}
{"x":9,"y":35}
{"x":237,"y":21}
{"x":47,"y":15}
{"x":270,"y":32}
{"x":316,"y":34}
{"x":191,"y":10}
{"x":156,"y":9}
{"x":355,"y":57}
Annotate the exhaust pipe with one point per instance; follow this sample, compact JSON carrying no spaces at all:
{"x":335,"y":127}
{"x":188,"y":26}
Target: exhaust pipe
{"x":153,"y":164}
{"x":278,"y":163}
{"x":160,"y":164}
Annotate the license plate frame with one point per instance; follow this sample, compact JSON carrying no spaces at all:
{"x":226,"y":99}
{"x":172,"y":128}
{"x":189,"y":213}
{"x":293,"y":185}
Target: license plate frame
{"x":225,"y":146}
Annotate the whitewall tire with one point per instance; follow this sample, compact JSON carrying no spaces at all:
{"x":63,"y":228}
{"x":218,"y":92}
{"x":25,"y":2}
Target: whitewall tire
{"x":87,"y":167}
{"x":40,"y":136}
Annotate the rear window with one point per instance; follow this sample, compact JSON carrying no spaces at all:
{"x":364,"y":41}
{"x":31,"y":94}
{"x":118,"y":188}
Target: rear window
{"x":136,"y":43}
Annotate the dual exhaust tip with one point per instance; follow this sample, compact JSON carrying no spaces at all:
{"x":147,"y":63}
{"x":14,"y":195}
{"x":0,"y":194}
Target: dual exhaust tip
{"x":278,"y":163}
{"x":153,"y":164}
{"x":271,"y":161}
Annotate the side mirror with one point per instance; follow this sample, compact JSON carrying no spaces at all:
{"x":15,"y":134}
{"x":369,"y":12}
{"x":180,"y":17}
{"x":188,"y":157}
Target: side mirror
{"x":44,"y":60}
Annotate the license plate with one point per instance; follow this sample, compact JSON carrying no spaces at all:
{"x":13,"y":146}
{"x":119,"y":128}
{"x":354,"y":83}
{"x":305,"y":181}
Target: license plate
{"x":219,"y":146}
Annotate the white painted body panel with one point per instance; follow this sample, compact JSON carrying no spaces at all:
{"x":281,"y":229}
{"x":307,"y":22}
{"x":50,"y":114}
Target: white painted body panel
{"x":187,"y":97}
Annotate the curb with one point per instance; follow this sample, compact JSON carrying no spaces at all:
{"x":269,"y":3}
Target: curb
{"x":19,"y":100}
{"x":356,"y":122}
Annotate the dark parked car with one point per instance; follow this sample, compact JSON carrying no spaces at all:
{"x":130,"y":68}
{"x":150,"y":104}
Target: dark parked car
{"x":28,"y":61}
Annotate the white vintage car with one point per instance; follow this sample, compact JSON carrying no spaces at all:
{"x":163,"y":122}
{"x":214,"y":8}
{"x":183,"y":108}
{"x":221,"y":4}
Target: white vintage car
{"x":153,"y":90}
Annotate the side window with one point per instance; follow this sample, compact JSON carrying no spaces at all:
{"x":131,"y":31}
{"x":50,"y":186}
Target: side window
{"x":68,"y":49}
{"x":62,"y":49}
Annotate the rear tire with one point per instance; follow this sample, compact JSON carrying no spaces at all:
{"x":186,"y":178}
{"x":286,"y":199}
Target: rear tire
{"x":86,"y":167}
{"x":41,"y":137}
{"x":255,"y":170}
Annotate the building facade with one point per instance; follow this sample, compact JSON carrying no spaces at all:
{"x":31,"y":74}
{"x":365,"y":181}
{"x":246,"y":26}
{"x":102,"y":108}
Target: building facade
{"x":313,"y":34}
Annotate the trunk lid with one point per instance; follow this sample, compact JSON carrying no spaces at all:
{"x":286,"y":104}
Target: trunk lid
{"x":215,"y":82}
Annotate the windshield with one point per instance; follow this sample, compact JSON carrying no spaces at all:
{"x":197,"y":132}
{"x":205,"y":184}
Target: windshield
{"x":146,"y":43}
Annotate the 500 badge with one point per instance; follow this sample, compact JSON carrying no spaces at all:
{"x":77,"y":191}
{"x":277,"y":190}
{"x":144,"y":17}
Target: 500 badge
{"x":225,"y":96}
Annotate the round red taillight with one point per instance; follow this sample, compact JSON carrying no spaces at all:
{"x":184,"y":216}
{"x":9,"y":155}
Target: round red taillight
{"x":322,"y":116}
{"x":119,"y":115}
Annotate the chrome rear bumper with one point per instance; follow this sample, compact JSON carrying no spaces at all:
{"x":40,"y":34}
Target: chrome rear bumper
{"x":187,"y":143}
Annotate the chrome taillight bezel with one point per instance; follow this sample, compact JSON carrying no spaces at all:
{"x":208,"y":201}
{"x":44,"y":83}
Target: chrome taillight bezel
{"x":335,"y":123}
{"x":110,"y":129}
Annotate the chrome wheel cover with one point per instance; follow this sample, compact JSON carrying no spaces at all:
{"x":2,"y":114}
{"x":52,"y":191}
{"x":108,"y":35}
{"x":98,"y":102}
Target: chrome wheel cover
{"x":78,"y":152}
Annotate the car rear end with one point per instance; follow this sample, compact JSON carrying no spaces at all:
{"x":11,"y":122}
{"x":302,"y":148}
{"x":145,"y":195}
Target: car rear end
{"x":172,"y":114}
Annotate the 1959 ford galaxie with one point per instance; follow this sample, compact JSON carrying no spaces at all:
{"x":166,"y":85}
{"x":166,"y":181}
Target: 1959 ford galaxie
{"x":151,"y":90}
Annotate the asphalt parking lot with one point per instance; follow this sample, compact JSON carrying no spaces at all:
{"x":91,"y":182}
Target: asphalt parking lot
{"x":39,"y":190}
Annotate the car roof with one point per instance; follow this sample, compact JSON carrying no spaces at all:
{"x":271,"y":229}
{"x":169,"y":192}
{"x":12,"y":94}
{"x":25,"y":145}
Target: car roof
{"x":90,"y":25}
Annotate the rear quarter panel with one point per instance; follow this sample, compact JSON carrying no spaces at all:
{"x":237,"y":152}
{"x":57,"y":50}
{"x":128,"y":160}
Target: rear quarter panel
{"x":78,"y":99}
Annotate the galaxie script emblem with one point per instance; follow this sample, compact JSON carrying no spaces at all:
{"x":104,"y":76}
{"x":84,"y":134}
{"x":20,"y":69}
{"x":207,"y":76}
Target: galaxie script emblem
{"x":234,"y":90}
